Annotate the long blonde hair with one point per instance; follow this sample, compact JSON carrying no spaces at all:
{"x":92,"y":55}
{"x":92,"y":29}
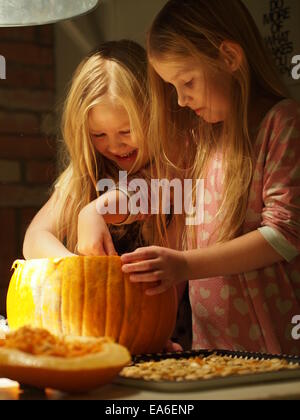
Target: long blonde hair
{"x":117,"y":69}
{"x":197,"y":29}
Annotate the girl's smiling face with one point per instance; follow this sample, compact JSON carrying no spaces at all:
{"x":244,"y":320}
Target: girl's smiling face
{"x":206,"y":94}
{"x":109,"y":128}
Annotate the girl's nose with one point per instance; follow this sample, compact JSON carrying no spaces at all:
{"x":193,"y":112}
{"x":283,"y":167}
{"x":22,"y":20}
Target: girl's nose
{"x":182,"y":100}
{"x":116,"y":145}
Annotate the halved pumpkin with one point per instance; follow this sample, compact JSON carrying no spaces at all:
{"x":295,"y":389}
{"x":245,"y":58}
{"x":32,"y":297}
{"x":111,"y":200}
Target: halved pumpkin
{"x":72,"y":364}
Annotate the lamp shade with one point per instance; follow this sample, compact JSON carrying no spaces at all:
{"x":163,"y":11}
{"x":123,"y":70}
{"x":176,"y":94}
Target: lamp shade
{"x":40,"y":12}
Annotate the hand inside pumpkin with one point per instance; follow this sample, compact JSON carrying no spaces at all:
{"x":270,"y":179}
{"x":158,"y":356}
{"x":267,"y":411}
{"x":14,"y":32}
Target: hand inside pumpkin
{"x":94,"y":237}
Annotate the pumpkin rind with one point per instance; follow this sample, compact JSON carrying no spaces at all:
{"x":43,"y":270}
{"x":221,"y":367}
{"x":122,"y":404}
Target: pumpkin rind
{"x":90,"y":296}
{"x":77,"y":374}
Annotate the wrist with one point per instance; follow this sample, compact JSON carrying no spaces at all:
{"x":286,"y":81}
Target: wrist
{"x":69,"y":254}
{"x":194,"y":264}
{"x":184,"y":272}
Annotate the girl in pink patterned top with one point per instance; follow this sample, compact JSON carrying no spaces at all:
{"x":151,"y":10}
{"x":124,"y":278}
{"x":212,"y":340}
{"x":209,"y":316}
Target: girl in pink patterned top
{"x":239,"y":132}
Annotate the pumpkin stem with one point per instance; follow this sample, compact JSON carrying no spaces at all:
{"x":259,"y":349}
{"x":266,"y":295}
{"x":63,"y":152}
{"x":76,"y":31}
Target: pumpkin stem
{"x":15,"y":264}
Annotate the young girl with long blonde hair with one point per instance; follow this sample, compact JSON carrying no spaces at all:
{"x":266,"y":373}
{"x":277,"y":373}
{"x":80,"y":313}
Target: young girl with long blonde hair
{"x":104,"y":128}
{"x":218,"y":102}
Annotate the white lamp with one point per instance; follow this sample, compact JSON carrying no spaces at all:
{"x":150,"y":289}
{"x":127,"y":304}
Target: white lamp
{"x":40,"y":12}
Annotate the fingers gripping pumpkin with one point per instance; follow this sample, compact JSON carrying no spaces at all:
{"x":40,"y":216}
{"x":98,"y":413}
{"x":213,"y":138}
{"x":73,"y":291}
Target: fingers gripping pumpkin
{"x":92,"y":297}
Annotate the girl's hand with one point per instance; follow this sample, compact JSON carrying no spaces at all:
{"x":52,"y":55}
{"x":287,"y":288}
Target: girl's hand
{"x":172,"y":347}
{"x":94,"y":237}
{"x":165,"y":266}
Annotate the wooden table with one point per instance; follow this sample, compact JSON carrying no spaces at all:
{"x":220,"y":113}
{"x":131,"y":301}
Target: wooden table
{"x":279,"y":390}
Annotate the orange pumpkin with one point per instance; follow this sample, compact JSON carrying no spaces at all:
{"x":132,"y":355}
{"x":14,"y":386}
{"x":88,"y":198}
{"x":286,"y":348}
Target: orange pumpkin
{"x":91,"y":297}
{"x":74,"y":364}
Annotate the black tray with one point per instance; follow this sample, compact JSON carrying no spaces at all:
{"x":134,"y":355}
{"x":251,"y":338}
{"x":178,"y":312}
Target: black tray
{"x":220,"y":382}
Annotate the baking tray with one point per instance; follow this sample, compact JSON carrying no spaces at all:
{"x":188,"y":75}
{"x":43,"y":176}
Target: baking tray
{"x":206,"y":384}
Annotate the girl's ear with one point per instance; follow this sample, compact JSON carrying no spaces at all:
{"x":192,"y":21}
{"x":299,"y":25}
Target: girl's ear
{"x":232,"y":55}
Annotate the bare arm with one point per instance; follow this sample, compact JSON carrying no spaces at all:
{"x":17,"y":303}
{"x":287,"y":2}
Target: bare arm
{"x":249,"y":252}
{"x":117,"y":200}
{"x":41,"y":236}
{"x":109,"y":207}
{"x":94,"y":237}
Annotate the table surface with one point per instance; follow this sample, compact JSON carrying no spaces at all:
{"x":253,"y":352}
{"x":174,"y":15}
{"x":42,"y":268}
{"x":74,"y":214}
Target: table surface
{"x":279,"y":390}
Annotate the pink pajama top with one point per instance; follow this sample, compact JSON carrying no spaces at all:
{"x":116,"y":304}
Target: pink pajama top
{"x":253,"y":311}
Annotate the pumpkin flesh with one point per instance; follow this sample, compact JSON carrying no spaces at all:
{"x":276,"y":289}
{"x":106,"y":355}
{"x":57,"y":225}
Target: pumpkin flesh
{"x":73,"y":364}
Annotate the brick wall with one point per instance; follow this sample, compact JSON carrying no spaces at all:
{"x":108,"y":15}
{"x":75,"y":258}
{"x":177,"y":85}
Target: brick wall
{"x":27,"y":136}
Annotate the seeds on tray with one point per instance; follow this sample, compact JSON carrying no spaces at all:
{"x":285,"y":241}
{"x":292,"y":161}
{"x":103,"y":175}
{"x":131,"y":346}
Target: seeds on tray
{"x":196,"y":368}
